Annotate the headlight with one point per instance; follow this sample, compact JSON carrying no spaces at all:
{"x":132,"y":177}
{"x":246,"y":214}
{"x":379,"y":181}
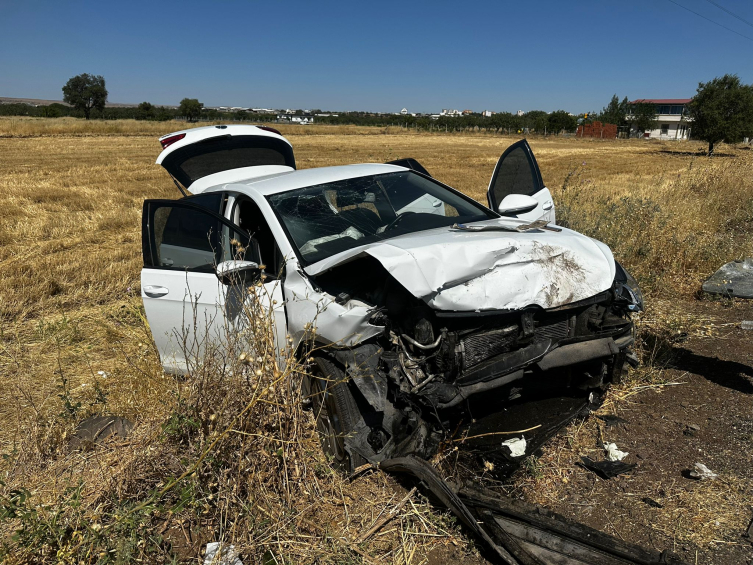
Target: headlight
{"x":626,"y":287}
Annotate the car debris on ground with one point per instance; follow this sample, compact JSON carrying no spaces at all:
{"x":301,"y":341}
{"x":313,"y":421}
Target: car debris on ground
{"x":733,"y":279}
{"x":218,"y":553}
{"x":701,"y":472}
{"x":607,"y":469}
{"x":614,"y":454}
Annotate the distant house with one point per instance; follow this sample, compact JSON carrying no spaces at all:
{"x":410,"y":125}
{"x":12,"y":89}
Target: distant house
{"x":451,"y":113}
{"x":404,"y":111}
{"x":467,"y":112}
{"x":487,"y":113}
{"x":671,"y":117}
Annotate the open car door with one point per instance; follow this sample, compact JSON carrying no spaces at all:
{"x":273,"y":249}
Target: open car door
{"x":517,"y":189}
{"x":190,"y":310}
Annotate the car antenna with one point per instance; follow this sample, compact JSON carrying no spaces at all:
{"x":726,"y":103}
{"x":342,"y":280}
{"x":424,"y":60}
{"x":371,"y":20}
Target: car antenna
{"x":183,"y":192}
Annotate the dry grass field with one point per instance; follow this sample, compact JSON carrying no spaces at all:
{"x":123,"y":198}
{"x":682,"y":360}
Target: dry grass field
{"x":74,"y":342}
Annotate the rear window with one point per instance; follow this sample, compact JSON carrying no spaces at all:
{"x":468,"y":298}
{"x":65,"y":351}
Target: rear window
{"x":225,"y":153}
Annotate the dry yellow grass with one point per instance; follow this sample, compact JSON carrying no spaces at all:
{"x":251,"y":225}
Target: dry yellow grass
{"x":70,"y":203}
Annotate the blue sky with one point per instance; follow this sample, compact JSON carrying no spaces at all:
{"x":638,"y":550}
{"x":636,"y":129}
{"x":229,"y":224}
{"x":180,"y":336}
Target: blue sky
{"x":382,"y":56}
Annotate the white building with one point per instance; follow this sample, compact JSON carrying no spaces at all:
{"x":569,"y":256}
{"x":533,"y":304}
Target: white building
{"x":671,"y":118}
{"x":452,"y":113}
{"x":487,"y":113}
{"x":404,"y":111}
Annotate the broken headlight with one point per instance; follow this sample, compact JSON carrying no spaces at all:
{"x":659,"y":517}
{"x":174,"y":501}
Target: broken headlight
{"x":626,"y":287}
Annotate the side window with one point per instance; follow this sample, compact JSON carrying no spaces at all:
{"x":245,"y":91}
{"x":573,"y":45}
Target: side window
{"x":212,"y":201}
{"x":184,"y":237}
{"x":516,"y":173}
{"x":252,"y":220}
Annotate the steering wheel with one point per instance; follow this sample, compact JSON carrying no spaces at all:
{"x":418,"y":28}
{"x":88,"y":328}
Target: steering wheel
{"x":396,"y":221}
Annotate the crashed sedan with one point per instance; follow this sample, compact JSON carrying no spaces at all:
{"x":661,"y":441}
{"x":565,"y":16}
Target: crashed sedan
{"x":416,"y":300}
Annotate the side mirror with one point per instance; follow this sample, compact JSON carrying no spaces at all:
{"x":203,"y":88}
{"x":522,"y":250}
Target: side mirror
{"x":517,"y":204}
{"x":230,"y":272}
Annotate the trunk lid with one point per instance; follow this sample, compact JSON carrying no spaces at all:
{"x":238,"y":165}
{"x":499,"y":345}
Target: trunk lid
{"x":202,"y":157}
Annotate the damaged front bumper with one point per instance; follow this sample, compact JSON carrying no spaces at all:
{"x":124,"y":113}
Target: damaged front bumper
{"x":420,"y":386}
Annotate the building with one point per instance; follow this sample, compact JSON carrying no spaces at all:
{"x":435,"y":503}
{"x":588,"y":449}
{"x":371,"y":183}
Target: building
{"x":404,"y":111}
{"x":450,"y":113}
{"x":487,"y":113}
{"x":671,"y":117}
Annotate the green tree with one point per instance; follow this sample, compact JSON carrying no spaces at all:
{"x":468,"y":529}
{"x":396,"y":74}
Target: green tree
{"x":644,"y":116}
{"x":145,"y":111}
{"x":722,"y":109}
{"x":190,"y":108}
{"x":85,"y":92}
{"x":616,"y":112}
{"x":560,"y":120}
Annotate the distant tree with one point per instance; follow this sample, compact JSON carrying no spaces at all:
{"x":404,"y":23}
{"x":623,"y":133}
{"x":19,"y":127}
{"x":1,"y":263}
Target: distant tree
{"x":561,"y":120}
{"x":536,"y":120}
{"x":85,"y":92}
{"x":190,"y":108}
{"x":50,"y":111}
{"x":145,"y":111}
{"x":722,"y":109}
{"x":616,"y":112}
{"x":644,"y":116}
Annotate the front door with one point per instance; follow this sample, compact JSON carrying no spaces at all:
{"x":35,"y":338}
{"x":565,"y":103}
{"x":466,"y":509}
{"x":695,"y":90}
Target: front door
{"x":517,"y":172}
{"x":189,"y":310}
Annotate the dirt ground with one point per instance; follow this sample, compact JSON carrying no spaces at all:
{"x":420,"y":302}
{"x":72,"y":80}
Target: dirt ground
{"x":704,"y":418}
{"x":702,"y":413}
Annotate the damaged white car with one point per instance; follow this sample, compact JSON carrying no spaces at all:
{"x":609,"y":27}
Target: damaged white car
{"x":420,"y":301}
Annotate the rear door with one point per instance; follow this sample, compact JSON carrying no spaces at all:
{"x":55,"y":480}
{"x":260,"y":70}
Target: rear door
{"x":188,"y":309}
{"x":517,"y":172}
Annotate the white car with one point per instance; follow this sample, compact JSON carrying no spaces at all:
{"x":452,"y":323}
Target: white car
{"x":422,"y":299}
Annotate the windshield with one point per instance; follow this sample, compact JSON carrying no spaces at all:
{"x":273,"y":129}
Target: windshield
{"x":326,"y":219}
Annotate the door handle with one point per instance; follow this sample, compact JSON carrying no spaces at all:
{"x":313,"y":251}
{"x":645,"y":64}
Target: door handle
{"x":548,"y":205}
{"x":155,"y":291}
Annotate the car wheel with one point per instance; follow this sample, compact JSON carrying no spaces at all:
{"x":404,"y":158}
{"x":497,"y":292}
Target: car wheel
{"x":336,"y":413}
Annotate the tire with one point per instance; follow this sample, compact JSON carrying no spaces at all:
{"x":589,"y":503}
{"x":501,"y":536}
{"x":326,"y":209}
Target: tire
{"x":336,"y":413}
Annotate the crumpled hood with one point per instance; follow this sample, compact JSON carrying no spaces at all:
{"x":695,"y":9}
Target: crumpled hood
{"x":456,"y":270}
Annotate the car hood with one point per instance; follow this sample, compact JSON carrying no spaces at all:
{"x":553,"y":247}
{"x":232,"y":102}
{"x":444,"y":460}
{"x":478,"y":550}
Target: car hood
{"x":453,"y":270}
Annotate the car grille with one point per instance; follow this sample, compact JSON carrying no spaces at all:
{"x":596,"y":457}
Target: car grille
{"x":481,"y":346}
{"x":555,"y":330}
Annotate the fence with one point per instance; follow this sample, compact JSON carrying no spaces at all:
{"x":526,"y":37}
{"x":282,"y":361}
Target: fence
{"x":597,"y":129}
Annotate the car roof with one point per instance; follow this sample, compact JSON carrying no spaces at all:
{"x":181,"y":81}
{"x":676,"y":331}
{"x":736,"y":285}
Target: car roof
{"x":292,"y":180}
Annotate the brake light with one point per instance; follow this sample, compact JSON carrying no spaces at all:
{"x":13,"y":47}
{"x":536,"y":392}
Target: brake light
{"x":267,"y":128}
{"x":168,"y":141}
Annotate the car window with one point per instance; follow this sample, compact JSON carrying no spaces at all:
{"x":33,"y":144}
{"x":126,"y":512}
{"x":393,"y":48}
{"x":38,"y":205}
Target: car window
{"x":515,"y":176}
{"x":326,"y":219}
{"x":184,"y":237}
{"x":252,"y":220}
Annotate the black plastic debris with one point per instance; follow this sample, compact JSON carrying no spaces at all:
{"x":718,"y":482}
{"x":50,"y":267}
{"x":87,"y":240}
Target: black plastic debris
{"x":515,"y":532}
{"x":611,"y":421}
{"x":96,"y":429}
{"x":651,"y":502}
{"x":733,"y":279}
{"x":607,"y":469}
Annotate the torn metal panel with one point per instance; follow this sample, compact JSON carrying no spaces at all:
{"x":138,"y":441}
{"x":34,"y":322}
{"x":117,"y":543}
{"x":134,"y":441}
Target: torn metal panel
{"x":311,"y":313}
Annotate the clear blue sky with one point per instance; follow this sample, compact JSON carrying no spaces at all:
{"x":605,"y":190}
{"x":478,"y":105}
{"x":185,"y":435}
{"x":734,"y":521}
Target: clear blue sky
{"x":383,"y":56}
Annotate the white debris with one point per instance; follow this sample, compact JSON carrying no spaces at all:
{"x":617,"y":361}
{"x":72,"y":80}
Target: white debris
{"x":614,"y":454}
{"x":702,"y":472}
{"x":221,"y":554}
{"x":103,"y":374}
{"x":517,"y":446}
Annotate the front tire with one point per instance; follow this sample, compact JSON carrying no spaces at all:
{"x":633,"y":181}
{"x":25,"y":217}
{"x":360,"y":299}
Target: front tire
{"x":336,"y":413}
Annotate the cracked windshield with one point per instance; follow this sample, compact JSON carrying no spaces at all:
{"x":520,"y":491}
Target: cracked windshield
{"x":329,"y":218}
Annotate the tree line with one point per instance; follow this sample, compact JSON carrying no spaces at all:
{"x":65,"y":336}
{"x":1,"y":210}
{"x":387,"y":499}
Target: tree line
{"x":721,"y":110}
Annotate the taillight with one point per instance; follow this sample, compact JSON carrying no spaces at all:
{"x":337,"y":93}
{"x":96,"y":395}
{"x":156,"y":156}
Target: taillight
{"x":267,"y":128}
{"x":168,"y":141}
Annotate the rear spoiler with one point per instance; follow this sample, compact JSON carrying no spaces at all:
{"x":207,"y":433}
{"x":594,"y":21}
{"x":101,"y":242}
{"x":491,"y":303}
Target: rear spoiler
{"x":411,"y":164}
